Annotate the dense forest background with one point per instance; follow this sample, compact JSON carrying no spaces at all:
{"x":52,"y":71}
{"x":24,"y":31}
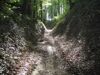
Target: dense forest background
{"x":49,"y":37}
{"x":44,"y":10}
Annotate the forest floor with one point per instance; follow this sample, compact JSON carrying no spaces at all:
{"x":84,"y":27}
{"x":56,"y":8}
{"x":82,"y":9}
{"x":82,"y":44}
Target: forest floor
{"x":43,"y":61}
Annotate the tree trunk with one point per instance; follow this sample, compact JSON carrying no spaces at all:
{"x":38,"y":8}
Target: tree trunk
{"x":41,"y":16}
{"x":71,"y":4}
{"x":27,"y":7}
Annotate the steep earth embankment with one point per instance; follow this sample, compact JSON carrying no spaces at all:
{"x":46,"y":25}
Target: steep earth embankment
{"x":79,"y":37}
{"x":17,"y":43}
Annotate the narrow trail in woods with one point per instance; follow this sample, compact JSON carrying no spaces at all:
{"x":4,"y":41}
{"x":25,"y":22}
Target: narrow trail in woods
{"x":52,"y":56}
{"x":47,"y":46}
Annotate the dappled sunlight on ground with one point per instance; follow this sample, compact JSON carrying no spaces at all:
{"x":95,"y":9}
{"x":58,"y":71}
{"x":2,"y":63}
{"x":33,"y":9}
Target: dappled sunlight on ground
{"x":29,"y":62}
{"x":51,"y":49}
